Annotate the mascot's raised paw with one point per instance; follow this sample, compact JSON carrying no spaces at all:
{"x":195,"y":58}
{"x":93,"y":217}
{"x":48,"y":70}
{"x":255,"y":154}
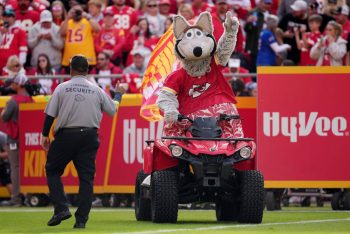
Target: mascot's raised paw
{"x":231,"y":23}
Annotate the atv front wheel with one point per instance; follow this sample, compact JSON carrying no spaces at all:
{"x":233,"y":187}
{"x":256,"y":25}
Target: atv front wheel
{"x":252,"y":196}
{"x":164,"y":196}
{"x":142,"y":205}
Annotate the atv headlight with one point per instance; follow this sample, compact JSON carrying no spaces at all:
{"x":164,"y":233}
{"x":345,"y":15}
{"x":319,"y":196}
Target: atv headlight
{"x":245,"y":152}
{"x":176,"y":151}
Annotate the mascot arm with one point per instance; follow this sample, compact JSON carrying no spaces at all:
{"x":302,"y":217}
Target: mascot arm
{"x":227,"y":41}
{"x":168,"y":103}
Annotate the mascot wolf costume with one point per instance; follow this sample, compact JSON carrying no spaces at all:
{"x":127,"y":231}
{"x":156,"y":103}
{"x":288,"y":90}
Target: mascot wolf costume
{"x":199,"y":89}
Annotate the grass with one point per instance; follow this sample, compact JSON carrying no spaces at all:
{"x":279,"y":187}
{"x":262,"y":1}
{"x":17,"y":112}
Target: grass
{"x":289,"y":220}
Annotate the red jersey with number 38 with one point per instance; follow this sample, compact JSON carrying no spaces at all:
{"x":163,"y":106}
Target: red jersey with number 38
{"x":197,"y":93}
{"x":125,"y":18}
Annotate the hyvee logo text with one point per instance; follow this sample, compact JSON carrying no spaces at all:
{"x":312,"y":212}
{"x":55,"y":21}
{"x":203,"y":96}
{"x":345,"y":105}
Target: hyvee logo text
{"x":134,"y":139}
{"x":302,"y":125}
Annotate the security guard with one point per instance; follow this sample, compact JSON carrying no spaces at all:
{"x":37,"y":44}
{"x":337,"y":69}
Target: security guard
{"x":78,"y":105}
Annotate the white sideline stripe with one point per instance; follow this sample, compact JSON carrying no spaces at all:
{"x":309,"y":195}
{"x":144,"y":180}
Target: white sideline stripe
{"x":234,"y":226}
{"x":102,"y":210}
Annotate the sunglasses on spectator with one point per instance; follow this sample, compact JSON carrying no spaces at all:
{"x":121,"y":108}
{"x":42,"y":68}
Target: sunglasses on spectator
{"x":16,"y":65}
{"x":150,"y":6}
{"x":56,"y":8}
{"x":101,"y":59}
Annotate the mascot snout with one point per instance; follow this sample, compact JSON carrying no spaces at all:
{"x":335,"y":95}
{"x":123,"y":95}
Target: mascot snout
{"x":197,"y":51}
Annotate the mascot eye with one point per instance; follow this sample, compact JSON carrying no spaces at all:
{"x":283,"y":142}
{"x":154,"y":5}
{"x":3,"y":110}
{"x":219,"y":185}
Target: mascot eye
{"x":189,"y":35}
{"x":199,"y":33}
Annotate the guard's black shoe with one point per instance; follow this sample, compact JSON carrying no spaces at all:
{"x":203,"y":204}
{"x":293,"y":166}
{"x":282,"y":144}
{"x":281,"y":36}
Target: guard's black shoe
{"x":79,"y":225}
{"x":58,"y":218}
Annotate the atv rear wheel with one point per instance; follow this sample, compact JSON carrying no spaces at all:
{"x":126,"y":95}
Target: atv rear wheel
{"x":226,"y":211}
{"x":142,"y":205}
{"x":164,"y":196}
{"x":252,"y":196}
{"x":270,"y":200}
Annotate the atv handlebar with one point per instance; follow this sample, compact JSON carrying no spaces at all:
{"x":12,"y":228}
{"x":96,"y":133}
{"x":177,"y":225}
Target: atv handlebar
{"x":220,"y":118}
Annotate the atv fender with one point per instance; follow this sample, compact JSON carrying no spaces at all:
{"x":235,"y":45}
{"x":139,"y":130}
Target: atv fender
{"x":158,"y":158}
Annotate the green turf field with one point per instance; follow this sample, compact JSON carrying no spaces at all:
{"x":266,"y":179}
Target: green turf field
{"x":289,"y":220}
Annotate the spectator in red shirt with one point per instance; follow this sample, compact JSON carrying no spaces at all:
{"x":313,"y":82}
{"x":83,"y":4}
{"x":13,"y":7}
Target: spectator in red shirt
{"x":164,"y":7}
{"x":140,"y":35}
{"x":105,"y":67}
{"x":59,"y":13}
{"x":110,"y":40}
{"x":12,"y":39}
{"x":26,"y":17}
{"x":125,"y":16}
{"x":199,"y":6}
{"x":308,"y":39}
{"x":218,"y":18}
{"x":186,"y":11}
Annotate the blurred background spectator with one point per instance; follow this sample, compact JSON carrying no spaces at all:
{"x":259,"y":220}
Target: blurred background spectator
{"x":105,"y":67}
{"x":140,"y":36}
{"x":44,"y":69}
{"x":164,"y":7}
{"x":59,"y":13}
{"x":199,"y":6}
{"x":110,"y":40}
{"x":308,"y":39}
{"x":155,"y":20}
{"x":12,"y":39}
{"x":296,"y":19}
{"x":5,"y":176}
{"x":45,"y":36}
{"x":78,"y":32}
{"x":140,"y":57}
{"x":25,"y":16}
{"x":269,"y":48}
{"x":186,"y":11}
{"x":253,"y":27}
{"x":330,"y":50}
{"x":95,"y":10}
{"x":13,"y":67}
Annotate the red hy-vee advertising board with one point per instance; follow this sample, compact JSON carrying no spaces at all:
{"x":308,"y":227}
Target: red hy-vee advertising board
{"x":120,"y":154}
{"x":303,"y":126}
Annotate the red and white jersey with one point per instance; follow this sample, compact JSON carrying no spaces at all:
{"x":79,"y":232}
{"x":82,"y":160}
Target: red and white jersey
{"x":205,"y":7}
{"x":311,"y":39}
{"x":12,"y":43}
{"x":346,"y":30}
{"x":197,"y":93}
{"x":27,"y":20}
{"x":125,"y":18}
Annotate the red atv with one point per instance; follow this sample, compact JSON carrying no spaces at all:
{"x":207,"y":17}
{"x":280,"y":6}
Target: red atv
{"x":202,"y":166}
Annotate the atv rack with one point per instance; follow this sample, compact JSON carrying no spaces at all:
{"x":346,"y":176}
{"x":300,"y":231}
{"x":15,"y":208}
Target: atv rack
{"x":207,"y":139}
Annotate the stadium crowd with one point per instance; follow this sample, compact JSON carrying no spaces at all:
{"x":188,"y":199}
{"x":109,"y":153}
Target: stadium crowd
{"x":38,"y":37}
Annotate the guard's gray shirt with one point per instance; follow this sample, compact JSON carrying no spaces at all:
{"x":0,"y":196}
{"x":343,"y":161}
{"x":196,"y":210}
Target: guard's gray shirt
{"x":79,"y":103}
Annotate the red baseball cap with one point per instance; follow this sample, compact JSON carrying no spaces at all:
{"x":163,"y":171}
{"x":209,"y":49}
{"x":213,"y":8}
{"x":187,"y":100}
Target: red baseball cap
{"x":160,"y":2}
{"x":108,"y":11}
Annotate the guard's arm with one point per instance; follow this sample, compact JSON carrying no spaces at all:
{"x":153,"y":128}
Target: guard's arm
{"x":47,"y":125}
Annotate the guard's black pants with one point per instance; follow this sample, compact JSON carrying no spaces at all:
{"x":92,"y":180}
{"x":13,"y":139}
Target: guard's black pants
{"x":80,"y":146}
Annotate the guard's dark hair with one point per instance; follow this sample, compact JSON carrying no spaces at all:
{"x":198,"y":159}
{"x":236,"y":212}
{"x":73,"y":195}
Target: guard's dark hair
{"x":79,"y":64}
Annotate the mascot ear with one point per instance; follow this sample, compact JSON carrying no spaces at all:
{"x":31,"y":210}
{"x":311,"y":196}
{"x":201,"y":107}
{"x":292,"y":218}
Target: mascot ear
{"x":180,"y":25}
{"x":205,"y":22}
